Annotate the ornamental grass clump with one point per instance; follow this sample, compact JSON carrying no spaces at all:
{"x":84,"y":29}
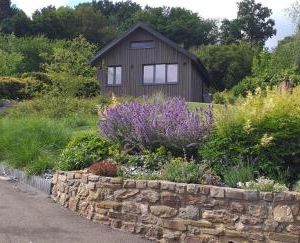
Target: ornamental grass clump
{"x":151,"y":125}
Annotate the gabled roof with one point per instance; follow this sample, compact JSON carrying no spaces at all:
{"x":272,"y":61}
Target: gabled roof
{"x":158,"y":35}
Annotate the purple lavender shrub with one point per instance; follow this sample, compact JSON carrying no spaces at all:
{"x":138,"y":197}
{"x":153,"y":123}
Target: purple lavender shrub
{"x":147,"y":126}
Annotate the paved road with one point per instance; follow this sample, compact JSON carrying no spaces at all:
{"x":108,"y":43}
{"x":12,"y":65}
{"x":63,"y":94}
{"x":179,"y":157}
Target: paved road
{"x":30,"y":217}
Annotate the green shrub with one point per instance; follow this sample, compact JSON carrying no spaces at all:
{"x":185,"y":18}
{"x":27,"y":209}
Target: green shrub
{"x":297,"y":186}
{"x":82,"y":151}
{"x":179,"y":170}
{"x":264,"y":185}
{"x":33,"y":143}
{"x":240,"y":173}
{"x":56,"y":107}
{"x":152,"y":161}
{"x":15,"y":88}
{"x":264,"y":129}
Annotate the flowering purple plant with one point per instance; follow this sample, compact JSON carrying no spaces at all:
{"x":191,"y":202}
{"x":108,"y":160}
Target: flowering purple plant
{"x":150,"y":125}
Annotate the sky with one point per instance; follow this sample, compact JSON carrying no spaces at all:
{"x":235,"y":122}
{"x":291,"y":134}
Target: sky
{"x":217,"y":9}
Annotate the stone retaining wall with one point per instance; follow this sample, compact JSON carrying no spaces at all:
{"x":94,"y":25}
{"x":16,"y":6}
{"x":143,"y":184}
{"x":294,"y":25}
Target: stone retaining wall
{"x":175,"y":212}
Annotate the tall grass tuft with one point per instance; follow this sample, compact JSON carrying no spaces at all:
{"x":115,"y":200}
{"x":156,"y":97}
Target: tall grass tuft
{"x":32,"y":143}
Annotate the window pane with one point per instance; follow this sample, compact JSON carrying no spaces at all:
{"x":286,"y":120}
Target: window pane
{"x":141,"y":44}
{"x":118,"y":75}
{"x":160,"y":74}
{"x":172,"y":73}
{"x":148,"y":74}
{"x":110,"y":75}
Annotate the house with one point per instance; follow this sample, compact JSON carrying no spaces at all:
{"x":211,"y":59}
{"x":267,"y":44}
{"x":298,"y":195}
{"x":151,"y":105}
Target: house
{"x":144,"y":62}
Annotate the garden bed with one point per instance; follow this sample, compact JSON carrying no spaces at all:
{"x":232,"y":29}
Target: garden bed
{"x":174,"y":212}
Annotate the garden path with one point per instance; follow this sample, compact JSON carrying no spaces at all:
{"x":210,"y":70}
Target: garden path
{"x":28,"y":216}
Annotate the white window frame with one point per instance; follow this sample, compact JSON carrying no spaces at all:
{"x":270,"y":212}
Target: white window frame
{"x":115,"y":81}
{"x":154,"y":76}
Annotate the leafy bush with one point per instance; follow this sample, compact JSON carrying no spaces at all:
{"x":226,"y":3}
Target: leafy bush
{"x":15,"y":88}
{"x":83,"y":150}
{"x":264,"y":185}
{"x":179,"y":170}
{"x":151,"y":125}
{"x":150,"y":161}
{"x":104,"y":168}
{"x":263,"y":129}
{"x":33,"y":143}
{"x":297,"y":186}
{"x":240,"y":173}
{"x":56,"y":107}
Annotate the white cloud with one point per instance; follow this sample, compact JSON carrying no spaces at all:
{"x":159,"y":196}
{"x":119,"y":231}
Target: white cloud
{"x":30,"y":6}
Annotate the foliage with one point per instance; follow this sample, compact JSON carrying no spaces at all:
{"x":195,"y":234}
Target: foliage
{"x":263,"y":129}
{"x":15,"y":88}
{"x":227,"y":64}
{"x":9,"y":63}
{"x":150,"y":161}
{"x":264,"y":185}
{"x":179,"y":24}
{"x":72,"y":57}
{"x":56,"y":107}
{"x":32,"y":143}
{"x":6,"y":10}
{"x":151,"y":125}
{"x":83,"y":150}
{"x":104,"y":168}
{"x":240,"y":173}
{"x":182,"y":170}
{"x":255,"y":22}
{"x":297,"y":186}
{"x":230,"y":32}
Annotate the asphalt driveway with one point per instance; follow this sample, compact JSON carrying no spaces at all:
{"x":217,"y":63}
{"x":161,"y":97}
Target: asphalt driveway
{"x":30,"y":217}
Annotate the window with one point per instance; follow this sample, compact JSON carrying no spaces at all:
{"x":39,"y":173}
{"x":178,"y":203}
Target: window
{"x":160,"y":74}
{"x":172,"y":73}
{"x":149,"y":74}
{"x":142,"y":44}
{"x":114,"y":75}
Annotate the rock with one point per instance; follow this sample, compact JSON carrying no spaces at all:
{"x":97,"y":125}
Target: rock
{"x":131,"y":207}
{"x":192,"y":188}
{"x":148,"y":196}
{"x":234,"y":193}
{"x":237,"y":207}
{"x":217,"y":192}
{"x":219,"y":216}
{"x":125,"y":193}
{"x":109,"y":205}
{"x":170,"y":199}
{"x":93,"y":178}
{"x":129,"y":184}
{"x":270,"y":225}
{"x":200,"y":223}
{"x":283,"y":237}
{"x":170,"y":186}
{"x":294,"y":229}
{"x":141,"y":184}
{"x":173,"y":224}
{"x":73,"y":204}
{"x":189,"y":212}
{"x":283,"y":214}
{"x":163,"y":211}
{"x":154,"y":185}
{"x":258,"y":210}
{"x":180,"y":188}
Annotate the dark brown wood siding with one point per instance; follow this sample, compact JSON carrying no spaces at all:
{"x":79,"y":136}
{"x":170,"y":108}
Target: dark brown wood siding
{"x":132,"y":61}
